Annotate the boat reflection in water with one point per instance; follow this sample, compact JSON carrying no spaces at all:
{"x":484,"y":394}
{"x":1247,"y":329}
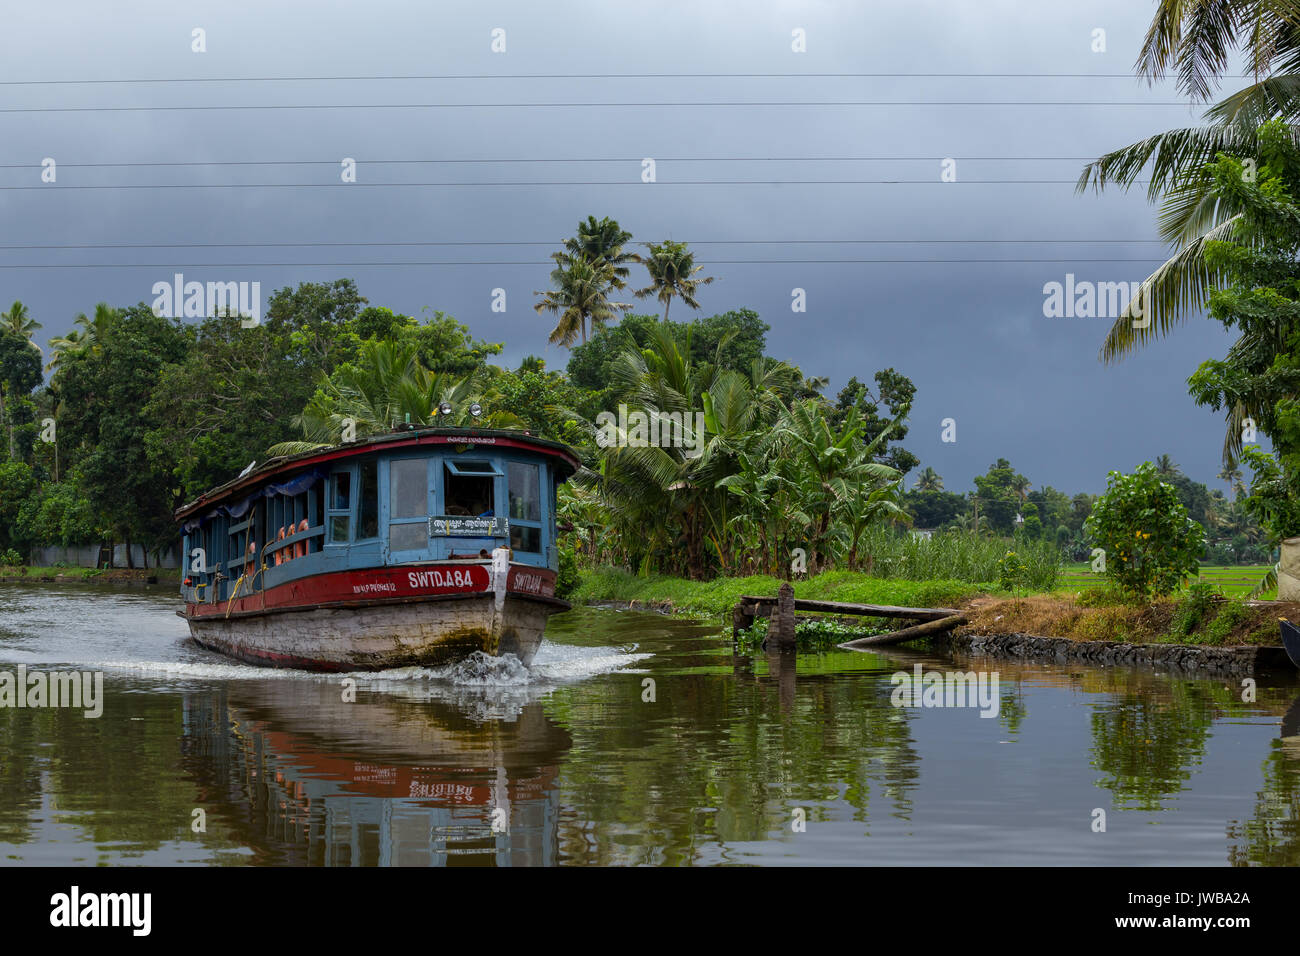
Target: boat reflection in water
{"x":396,"y":778}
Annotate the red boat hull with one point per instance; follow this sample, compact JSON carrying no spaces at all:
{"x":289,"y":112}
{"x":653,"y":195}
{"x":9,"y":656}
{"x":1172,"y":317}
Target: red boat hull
{"x":374,"y":619}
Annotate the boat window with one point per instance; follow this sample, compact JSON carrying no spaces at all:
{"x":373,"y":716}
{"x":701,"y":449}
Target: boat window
{"x":340,"y":507}
{"x":467,"y":494}
{"x":525,"y":507}
{"x":409,"y":491}
{"x":368,"y":518}
{"x":340,"y":491}
{"x":408,"y":504}
{"x":408,"y":537}
{"x":460,"y":467}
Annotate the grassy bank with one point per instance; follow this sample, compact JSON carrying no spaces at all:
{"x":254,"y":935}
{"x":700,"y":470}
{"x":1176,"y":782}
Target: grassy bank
{"x":22,"y":573}
{"x":1177,"y":620}
{"x":1086,"y":615}
{"x":716,"y":598}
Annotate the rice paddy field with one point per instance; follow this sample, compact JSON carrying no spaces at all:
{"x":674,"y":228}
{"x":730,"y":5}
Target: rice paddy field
{"x":1233,"y":580}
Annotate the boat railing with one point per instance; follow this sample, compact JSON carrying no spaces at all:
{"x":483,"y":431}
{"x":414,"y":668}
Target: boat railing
{"x":289,"y":540}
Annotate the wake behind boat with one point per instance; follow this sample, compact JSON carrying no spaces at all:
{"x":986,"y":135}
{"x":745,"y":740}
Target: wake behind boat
{"x":415,"y":548}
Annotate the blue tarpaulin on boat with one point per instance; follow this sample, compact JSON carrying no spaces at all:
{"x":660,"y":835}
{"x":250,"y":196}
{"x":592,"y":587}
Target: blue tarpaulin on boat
{"x":294,"y":486}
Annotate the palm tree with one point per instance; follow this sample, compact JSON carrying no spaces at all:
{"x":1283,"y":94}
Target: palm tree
{"x":673,"y":272}
{"x":600,"y":242}
{"x":581,"y":294}
{"x":1232,"y":477}
{"x":928,"y":480}
{"x":387,"y":385}
{"x":17,"y":319}
{"x":825,"y":456}
{"x":87,"y":338}
{"x":1199,"y":37}
{"x":1020,"y":487}
{"x":1166,"y":467}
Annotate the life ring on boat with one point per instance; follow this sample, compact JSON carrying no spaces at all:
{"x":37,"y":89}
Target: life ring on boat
{"x":279,"y":552}
{"x":301,"y":548}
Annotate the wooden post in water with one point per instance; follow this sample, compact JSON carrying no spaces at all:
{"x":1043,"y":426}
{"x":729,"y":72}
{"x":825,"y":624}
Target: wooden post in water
{"x":741,"y":620}
{"x":782,"y":625}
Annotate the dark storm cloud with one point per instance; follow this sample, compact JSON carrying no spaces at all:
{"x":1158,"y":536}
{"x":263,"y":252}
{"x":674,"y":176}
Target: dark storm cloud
{"x":971,"y":335}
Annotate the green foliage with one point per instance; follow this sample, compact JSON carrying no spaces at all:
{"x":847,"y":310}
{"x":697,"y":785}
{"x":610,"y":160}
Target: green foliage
{"x":815,"y":633}
{"x":1013,"y":572}
{"x":998,"y":499}
{"x":566,"y":580}
{"x":1193,"y":606}
{"x":17,"y":485}
{"x":10,"y":558}
{"x":1232,"y":614}
{"x":959,"y":556}
{"x":107,"y":437}
{"x":881,"y":412}
{"x":1150,"y":543}
{"x":717,"y":597}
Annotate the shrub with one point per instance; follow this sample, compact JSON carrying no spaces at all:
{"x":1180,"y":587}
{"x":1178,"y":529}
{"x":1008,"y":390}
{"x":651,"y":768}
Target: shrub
{"x":957,"y":556}
{"x":1150,"y":543}
{"x":1012,"y":572}
{"x":1192,"y":608}
{"x":566,"y":579}
{"x":10,"y":558}
{"x":1231,"y":615}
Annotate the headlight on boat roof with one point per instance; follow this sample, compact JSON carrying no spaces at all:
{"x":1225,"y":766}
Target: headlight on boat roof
{"x":444,"y":408}
{"x":475,"y":409}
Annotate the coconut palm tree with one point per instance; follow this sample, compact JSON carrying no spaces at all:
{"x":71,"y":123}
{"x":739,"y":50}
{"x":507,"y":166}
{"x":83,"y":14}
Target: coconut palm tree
{"x":384,"y":386}
{"x":928,"y":480}
{"x":1233,"y":478}
{"x":1198,"y":38}
{"x":602,"y":241}
{"x":673,"y":272}
{"x":17,"y":319}
{"x":1166,"y":467}
{"x":85,"y":338}
{"x":580,"y":294}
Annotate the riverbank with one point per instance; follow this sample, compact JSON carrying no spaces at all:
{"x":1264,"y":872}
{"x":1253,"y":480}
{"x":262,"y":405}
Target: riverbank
{"x":1082,"y":617}
{"x":716,"y":598}
{"x":121,"y":576}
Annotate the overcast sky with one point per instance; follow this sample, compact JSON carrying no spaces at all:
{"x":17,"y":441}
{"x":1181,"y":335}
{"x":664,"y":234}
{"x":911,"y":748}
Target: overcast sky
{"x":971,"y":335}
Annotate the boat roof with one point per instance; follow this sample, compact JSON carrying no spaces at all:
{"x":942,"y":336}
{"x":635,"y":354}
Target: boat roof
{"x":283,"y":465}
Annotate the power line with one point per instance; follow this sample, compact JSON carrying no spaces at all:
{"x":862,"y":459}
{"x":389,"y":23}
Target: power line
{"x":730,"y":104}
{"x":59,"y":187}
{"x":103,"y":81}
{"x":552,"y":242}
{"x":532,"y":262}
{"x":628,"y":159}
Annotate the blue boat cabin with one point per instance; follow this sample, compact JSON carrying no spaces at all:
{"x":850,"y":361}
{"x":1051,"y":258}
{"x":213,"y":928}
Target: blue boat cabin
{"x":373,"y":508}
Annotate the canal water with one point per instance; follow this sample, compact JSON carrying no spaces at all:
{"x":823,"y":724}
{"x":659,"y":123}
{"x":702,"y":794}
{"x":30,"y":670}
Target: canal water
{"x":634,"y":739}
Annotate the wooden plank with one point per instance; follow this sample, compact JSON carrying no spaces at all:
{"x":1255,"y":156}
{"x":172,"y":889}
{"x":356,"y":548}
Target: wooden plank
{"x":873,"y":610}
{"x":906,"y":634}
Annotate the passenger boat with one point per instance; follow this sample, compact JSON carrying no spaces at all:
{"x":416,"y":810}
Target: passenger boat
{"x":413,"y":548}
